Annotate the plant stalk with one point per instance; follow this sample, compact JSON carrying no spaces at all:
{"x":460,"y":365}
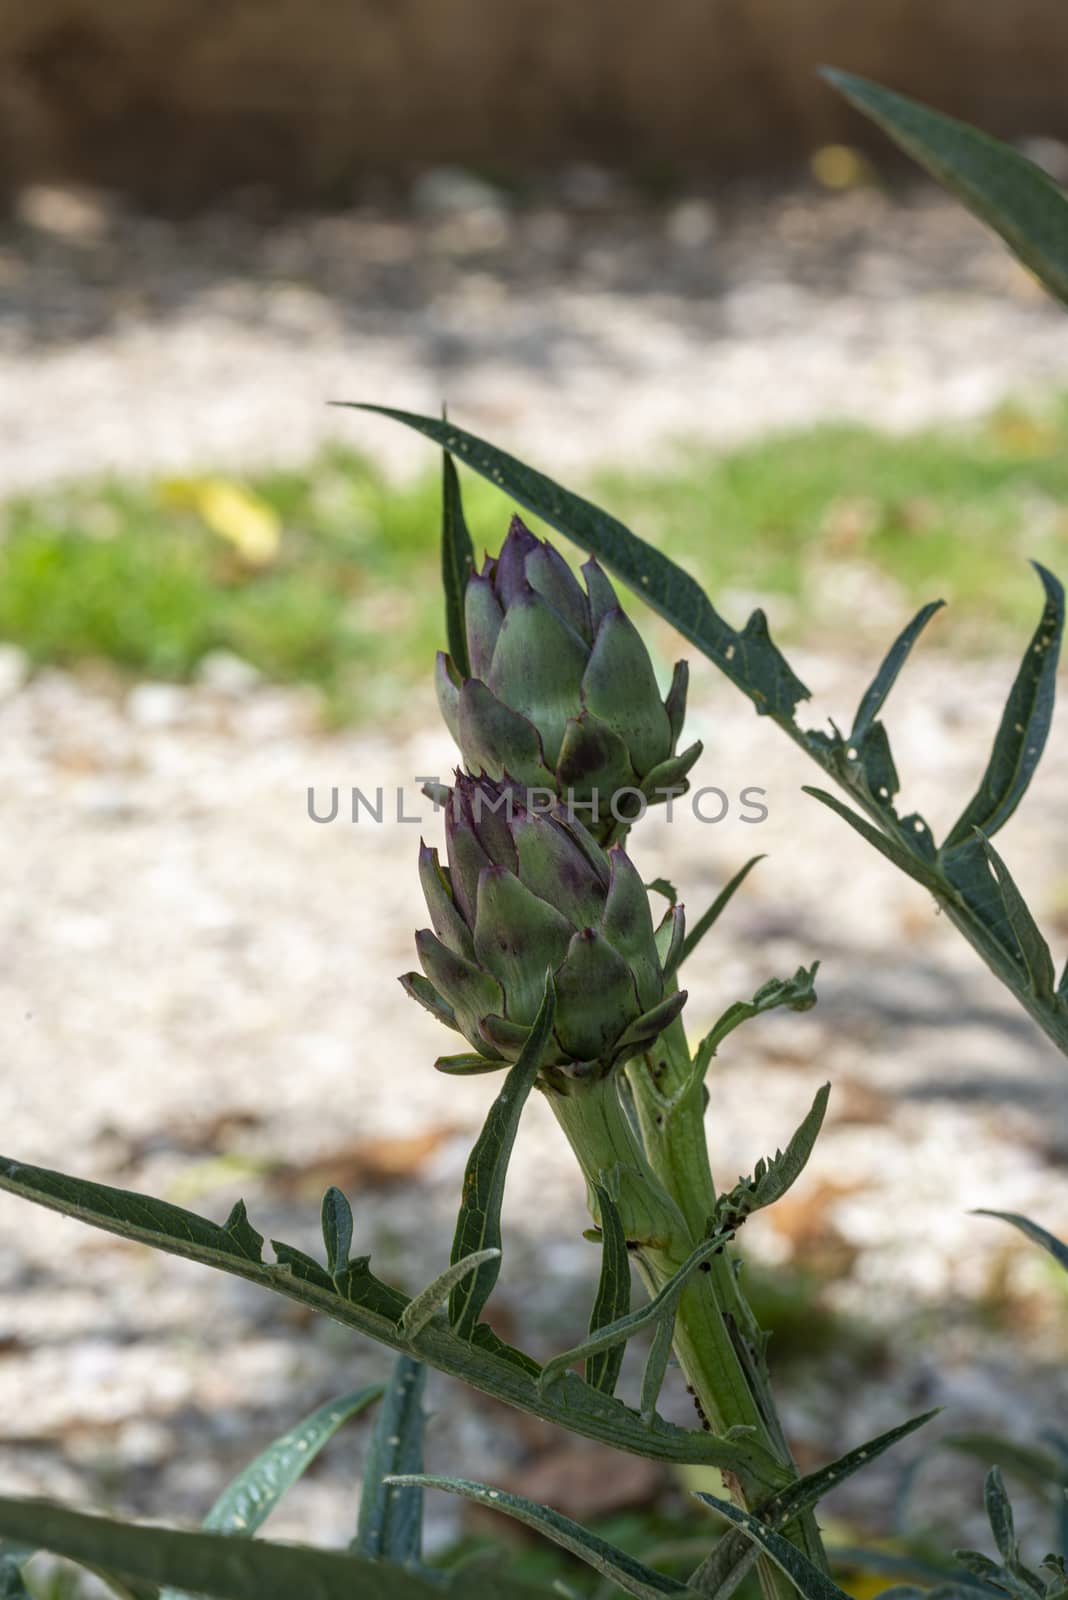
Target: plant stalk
{"x":665,"y":1199}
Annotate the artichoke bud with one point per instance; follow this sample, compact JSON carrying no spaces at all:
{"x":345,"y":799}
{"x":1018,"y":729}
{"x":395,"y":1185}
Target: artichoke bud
{"x":562,"y":694}
{"x":528,"y":891}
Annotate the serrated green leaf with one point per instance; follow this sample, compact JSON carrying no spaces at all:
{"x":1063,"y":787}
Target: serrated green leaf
{"x":806,"y":1578}
{"x":915,"y":866}
{"x":749,"y":658}
{"x":362,"y":1302}
{"x":735,"y":1554}
{"x":772,"y":1179}
{"x":714,"y":912}
{"x":631,"y":1575}
{"x":337,"y":1230}
{"x":457,"y":564}
{"x":1003,"y":188}
{"x":1048,"y":1241}
{"x":390,"y":1526}
{"x":797,"y":994}
{"x":612,"y":1300}
{"x":875,"y":695}
{"x":478,"y":1225}
{"x":210,"y":1564}
{"x":661,"y":1307}
{"x":1024,"y":727}
{"x":421,"y":1308}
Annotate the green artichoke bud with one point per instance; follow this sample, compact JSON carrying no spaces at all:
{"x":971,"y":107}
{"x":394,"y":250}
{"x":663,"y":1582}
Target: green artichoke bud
{"x":562,"y":694}
{"x":528,"y":891}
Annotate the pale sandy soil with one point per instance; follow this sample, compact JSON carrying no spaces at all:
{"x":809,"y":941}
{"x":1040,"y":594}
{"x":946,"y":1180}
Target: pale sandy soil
{"x":199,"y":999}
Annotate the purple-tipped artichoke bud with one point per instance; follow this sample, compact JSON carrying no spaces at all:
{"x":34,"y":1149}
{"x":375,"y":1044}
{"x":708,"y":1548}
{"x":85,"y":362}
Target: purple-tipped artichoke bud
{"x":526,"y":891}
{"x":562,"y":694}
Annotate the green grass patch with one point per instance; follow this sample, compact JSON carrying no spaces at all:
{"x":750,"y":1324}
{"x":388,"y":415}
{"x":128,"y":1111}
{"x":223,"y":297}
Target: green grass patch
{"x":328,"y":575}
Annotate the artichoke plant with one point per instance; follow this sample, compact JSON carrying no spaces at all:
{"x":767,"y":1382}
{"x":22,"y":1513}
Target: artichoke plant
{"x":562,"y":694}
{"x":526,"y":891}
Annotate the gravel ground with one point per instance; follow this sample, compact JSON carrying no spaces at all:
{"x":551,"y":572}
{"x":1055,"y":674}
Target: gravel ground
{"x":573,"y":328}
{"x":198,"y":985}
{"x":199,"y":1000}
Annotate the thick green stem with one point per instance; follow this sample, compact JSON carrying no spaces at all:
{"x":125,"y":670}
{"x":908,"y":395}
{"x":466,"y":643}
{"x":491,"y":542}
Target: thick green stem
{"x":665,"y":1197}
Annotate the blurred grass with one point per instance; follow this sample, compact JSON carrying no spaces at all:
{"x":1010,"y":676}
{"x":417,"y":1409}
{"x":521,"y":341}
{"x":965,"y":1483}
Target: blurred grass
{"x":328,"y":575}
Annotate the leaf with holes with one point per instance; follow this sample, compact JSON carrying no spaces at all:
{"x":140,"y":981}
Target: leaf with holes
{"x":748,"y":657}
{"x":875,"y":695}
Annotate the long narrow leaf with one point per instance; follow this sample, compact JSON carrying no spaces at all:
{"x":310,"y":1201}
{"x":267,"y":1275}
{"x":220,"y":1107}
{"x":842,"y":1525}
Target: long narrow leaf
{"x":1024,"y":726}
{"x":875,"y":695}
{"x":1034,"y":1466}
{"x":1034,"y":950}
{"x":748,"y":657}
{"x":806,"y":1578}
{"x":1003,"y":188}
{"x":1048,"y":1241}
{"x":420,"y":1309}
{"x":631,"y":1575}
{"x":457,"y":563}
{"x":908,"y":862}
{"x":661,"y":1306}
{"x":362,"y":1302}
{"x":656,"y":1365}
{"x":478,"y":1225}
{"x":736,"y":1554}
{"x":390,"y":1526}
{"x":226,"y":1569}
{"x":613,"y":1294}
{"x":247,"y":1502}
{"x":714,"y":912}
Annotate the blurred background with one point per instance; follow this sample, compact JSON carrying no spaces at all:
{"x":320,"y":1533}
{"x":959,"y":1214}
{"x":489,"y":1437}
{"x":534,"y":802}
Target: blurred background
{"x":653,"y":254}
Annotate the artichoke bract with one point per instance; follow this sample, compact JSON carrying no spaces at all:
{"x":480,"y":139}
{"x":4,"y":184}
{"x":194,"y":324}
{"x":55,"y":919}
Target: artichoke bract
{"x":562,"y":694}
{"x":528,"y":891}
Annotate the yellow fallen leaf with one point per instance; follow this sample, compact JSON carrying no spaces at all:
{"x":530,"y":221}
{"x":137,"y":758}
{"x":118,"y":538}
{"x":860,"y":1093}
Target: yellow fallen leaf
{"x":237,"y":515}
